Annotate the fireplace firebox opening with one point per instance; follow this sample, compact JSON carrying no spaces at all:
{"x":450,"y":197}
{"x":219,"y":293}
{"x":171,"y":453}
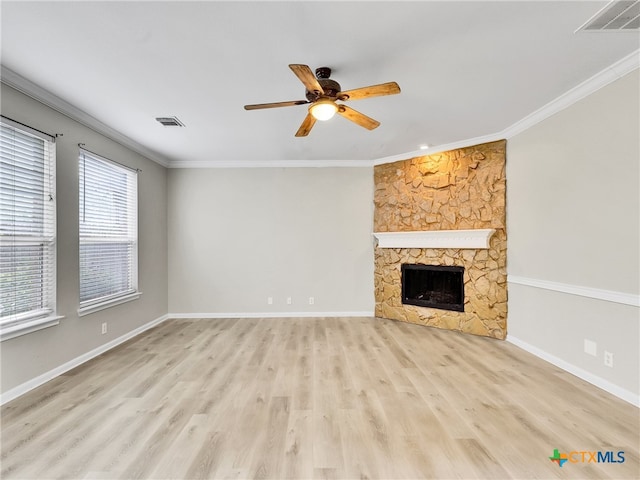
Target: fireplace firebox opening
{"x":433,"y":286}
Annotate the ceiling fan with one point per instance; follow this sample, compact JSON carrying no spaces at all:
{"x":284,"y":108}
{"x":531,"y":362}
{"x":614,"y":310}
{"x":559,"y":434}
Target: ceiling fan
{"x":322,"y":93}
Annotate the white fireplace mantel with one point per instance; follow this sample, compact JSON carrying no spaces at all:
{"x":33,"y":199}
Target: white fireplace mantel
{"x":477,"y":238}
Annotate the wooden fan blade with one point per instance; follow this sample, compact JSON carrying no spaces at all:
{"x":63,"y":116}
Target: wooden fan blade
{"x":307,"y":125}
{"x":390,"y":88}
{"x":306,"y":76}
{"x":357,"y":117}
{"x":275,"y":105}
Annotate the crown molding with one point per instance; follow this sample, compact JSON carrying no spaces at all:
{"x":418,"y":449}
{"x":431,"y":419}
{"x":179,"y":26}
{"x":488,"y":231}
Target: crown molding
{"x":441,"y":148}
{"x":601,"y":79}
{"x":18,"y":82}
{"x":271,"y":164}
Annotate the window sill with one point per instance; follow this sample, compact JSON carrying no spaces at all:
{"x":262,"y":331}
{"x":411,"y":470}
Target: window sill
{"x":96,"y":307}
{"x":29,"y":327}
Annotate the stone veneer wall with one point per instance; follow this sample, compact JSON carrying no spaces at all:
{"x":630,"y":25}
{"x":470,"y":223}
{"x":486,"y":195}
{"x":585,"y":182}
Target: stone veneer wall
{"x":459,"y":189}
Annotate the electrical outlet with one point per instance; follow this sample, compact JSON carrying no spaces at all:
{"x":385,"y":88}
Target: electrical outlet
{"x":590,"y":347}
{"x":288,"y":300}
{"x":311,"y":300}
{"x":608,"y":359}
{"x":104,"y":328}
{"x":269,"y":300}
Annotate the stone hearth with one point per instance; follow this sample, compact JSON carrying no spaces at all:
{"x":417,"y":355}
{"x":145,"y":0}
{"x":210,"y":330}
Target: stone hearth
{"x":461,"y":189}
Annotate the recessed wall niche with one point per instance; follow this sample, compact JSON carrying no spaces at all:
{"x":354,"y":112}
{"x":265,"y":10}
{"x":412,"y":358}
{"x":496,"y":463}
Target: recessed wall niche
{"x":461,"y":189}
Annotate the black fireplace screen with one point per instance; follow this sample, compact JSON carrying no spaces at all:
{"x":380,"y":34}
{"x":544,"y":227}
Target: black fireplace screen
{"x":433,"y":286}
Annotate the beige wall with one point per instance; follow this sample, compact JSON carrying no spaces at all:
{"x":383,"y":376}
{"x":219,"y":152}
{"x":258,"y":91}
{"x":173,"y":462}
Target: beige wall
{"x":238,"y":236}
{"x":28,"y":356}
{"x":573,"y":217}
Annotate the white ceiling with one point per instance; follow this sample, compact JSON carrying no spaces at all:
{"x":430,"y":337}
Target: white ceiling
{"x":466,"y":69}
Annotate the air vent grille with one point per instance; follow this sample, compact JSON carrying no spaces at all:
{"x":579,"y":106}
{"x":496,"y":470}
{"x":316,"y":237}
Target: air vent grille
{"x":619,"y":15}
{"x":170,"y":121}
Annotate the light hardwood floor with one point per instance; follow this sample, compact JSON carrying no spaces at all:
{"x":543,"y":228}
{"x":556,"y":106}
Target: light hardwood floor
{"x":314,"y":398}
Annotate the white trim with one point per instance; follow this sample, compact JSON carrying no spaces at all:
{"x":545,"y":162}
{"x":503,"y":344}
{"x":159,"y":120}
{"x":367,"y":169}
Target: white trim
{"x":31,"y":326}
{"x":14,"y":80}
{"x":271,"y":163}
{"x":271,"y":315}
{"x":589,"y":292}
{"x":478,"y":238}
{"x":607,"y":386}
{"x":601,"y":79}
{"x":65,"y":367}
{"x":96,"y":307}
{"x":492,"y":137}
{"x":589,"y":86}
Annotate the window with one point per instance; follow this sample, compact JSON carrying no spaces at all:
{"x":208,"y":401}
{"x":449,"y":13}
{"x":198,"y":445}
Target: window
{"x":27,"y":230}
{"x":108,"y":233}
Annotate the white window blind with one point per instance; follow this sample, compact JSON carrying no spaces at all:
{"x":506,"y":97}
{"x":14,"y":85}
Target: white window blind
{"x":27,"y":229}
{"x":108,"y":231}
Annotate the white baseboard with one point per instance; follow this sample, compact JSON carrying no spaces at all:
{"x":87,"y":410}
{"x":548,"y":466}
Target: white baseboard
{"x":65,"y":367}
{"x":15,"y":392}
{"x":607,"y":386}
{"x":271,"y":315}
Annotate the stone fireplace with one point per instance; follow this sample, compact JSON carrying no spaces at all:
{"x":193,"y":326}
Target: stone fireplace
{"x":445,"y":211}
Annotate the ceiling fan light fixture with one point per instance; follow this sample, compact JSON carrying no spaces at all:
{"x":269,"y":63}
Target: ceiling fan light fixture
{"x":323,"y":109}
{"x":321,"y":94}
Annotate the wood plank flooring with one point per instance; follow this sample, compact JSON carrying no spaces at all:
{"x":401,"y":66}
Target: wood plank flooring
{"x":334,"y":398}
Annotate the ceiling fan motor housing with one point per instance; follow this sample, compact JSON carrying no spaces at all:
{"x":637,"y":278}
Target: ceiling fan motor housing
{"x":331,"y":90}
{"x":331,"y":87}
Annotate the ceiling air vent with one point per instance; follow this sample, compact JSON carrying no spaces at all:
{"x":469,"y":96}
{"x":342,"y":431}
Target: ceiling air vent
{"x":618,"y":15}
{"x":170,"y":121}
